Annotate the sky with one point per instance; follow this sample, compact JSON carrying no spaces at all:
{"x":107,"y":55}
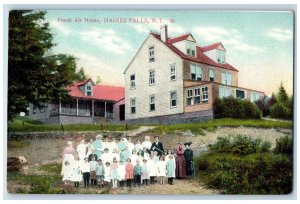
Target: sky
{"x":258,"y":44}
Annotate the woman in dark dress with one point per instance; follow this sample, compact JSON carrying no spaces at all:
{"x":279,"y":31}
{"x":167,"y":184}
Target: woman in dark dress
{"x":180,"y":161}
{"x":188,"y":156}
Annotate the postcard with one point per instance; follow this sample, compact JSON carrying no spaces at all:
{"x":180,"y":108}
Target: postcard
{"x":176,"y":102}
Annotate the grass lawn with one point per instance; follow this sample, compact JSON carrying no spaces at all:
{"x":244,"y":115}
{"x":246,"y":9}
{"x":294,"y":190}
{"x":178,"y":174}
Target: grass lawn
{"x":212,"y":125}
{"x":196,"y":128}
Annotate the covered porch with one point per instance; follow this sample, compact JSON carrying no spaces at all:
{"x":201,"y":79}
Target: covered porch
{"x":87,"y":108}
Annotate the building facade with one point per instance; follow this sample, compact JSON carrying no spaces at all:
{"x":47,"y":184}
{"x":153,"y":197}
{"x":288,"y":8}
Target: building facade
{"x":90,"y":104}
{"x":173,"y":80}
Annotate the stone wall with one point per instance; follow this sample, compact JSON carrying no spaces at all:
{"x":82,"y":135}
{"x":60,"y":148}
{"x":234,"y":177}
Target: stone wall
{"x":174,"y":119}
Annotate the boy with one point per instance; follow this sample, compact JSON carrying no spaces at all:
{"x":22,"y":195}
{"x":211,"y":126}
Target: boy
{"x":137,"y":172}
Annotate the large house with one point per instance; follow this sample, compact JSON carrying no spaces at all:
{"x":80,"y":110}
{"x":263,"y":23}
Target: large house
{"x":91,"y":104}
{"x":173,"y":80}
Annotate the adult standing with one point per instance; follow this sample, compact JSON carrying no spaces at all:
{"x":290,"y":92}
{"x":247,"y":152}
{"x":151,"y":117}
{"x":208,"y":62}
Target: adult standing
{"x":188,"y":156}
{"x":157,"y":146}
{"x":180,"y":161}
{"x":147,"y":144}
{"x":98,"y":146}
{"x":69,"y":152}
{"x":82,"y":150}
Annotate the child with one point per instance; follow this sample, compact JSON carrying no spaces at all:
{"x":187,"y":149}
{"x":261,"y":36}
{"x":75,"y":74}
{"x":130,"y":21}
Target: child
{"x":93,"y":166}
{"x":129,"y":172}
{"x":145,"y":172}
{"x":125,"y":154}
{"x":81,"y":150}
{"x":66,"y":172}
{"x":152,"y":168}
{"x":171,"y":169}
{"x":85,"y":169}
{"x":100,"y":173}
{"x":107,"y":174}
{"x":76,"y":173}
{"x":134,"y":156}
{"x":145,"y":154}
{"x":161,"y":164}
{"x":137,"y":172}
{"x":121,"y":173}
{"x":114,"y":173}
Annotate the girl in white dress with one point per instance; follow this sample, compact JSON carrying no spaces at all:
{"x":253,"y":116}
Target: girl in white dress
{"x":152,"y":169}
{"x":122,"y":173}
{"x":107,"y":174}
{"x":162,"y":170}
{"x":76,"y":172}
{"x":66,"y":172}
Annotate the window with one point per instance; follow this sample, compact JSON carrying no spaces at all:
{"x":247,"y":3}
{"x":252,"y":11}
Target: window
{"x":189,"y":97}
{"x":173,"y":72}
{"x":240,"y":94}
{"x":88,"y":90}
{"x":190,"y":48}
{"x":151,"y":77}
{"x":196,"y":72}
{"x":132,"y":81}
{"x":254,"y":97}
{"x":225,"y":92}
{"x":151,"y":54}
{"x":197,"y":98}
{"x":226,"y":78}
{"x":204,"y":93}
{"x":133,"y":106}
{"x":221,"y":56}
{"x":211,"y":75}
{"x":152,"y":103}
{"x":173,"y":99}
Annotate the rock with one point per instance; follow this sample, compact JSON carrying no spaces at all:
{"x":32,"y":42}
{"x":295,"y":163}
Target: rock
{"x":22,"y":160}
{"x":188,"y":133}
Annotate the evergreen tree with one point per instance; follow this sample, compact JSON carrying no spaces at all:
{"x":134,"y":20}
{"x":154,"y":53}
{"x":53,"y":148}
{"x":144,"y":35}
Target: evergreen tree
{"x":282,"y":96}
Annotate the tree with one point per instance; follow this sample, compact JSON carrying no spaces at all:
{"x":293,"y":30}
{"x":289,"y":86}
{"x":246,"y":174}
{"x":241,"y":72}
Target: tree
{"x":34,"y":77}
{"x":81,"y":76}
{"x":282,"y":96}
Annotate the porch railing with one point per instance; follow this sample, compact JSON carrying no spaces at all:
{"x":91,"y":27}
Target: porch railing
{"x":81,"y":112}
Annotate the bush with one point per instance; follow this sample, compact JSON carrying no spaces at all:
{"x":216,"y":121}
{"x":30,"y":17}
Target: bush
{"x":235,"y":108}
{"x":240,"y":145}
{"x":259,"y":173}
{"x":243,"y":165}
{"x":284,"y":145}
{"x":279,"y":111}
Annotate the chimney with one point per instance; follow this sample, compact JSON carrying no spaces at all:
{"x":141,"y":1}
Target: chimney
{"x":164,"y":33}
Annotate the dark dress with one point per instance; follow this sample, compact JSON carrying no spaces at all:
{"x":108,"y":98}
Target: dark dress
{"x":180,"y":163}
{"x":157,"y":147}
{"x":188,"y":156}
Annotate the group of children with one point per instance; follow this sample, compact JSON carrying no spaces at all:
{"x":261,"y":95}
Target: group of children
{"x":110,"y":164}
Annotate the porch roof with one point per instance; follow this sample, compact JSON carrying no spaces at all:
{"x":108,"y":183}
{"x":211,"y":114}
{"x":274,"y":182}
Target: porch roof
{"x":100,"y":92}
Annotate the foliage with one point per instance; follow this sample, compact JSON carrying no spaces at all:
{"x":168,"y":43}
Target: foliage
{"x":34,"y":75}
{"x":282,"y":96}
{"x":240,"y":145}
{"x":81,"y":76}
{"x":235,"y":108}
{"x":265,"y":103}
{"x":280,"y":111}
{"x":98,"y":80}
{"x":17,"y":144}
{"x":256,"y":170}
{"x":284,"y":145}
{"x":212,"y":125}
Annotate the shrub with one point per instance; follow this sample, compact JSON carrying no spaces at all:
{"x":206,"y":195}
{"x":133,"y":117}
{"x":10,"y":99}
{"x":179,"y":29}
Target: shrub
{"x":284,"y":145}
{"x":235,"y":108}
{"x":240,"y":145}
{"x":279,"y":111}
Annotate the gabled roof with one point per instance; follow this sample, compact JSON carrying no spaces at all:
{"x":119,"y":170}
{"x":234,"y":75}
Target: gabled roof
{"x":180,"y":38}
{"x":84,"y":82}
{"x":212,"y":47}
{"x":200,"y":58}
{"x":100,"y":92}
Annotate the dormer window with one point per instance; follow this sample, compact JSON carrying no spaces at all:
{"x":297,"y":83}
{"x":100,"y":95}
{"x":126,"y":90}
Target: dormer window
{"x":190,"y":48}
{"x":89,"y":90}
{"x":221,"y":56}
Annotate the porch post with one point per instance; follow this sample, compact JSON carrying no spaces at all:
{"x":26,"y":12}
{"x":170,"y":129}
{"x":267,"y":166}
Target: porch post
{"x":93,"y":109}
{"x":105,"y":109}
{"x":77,"y":106}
